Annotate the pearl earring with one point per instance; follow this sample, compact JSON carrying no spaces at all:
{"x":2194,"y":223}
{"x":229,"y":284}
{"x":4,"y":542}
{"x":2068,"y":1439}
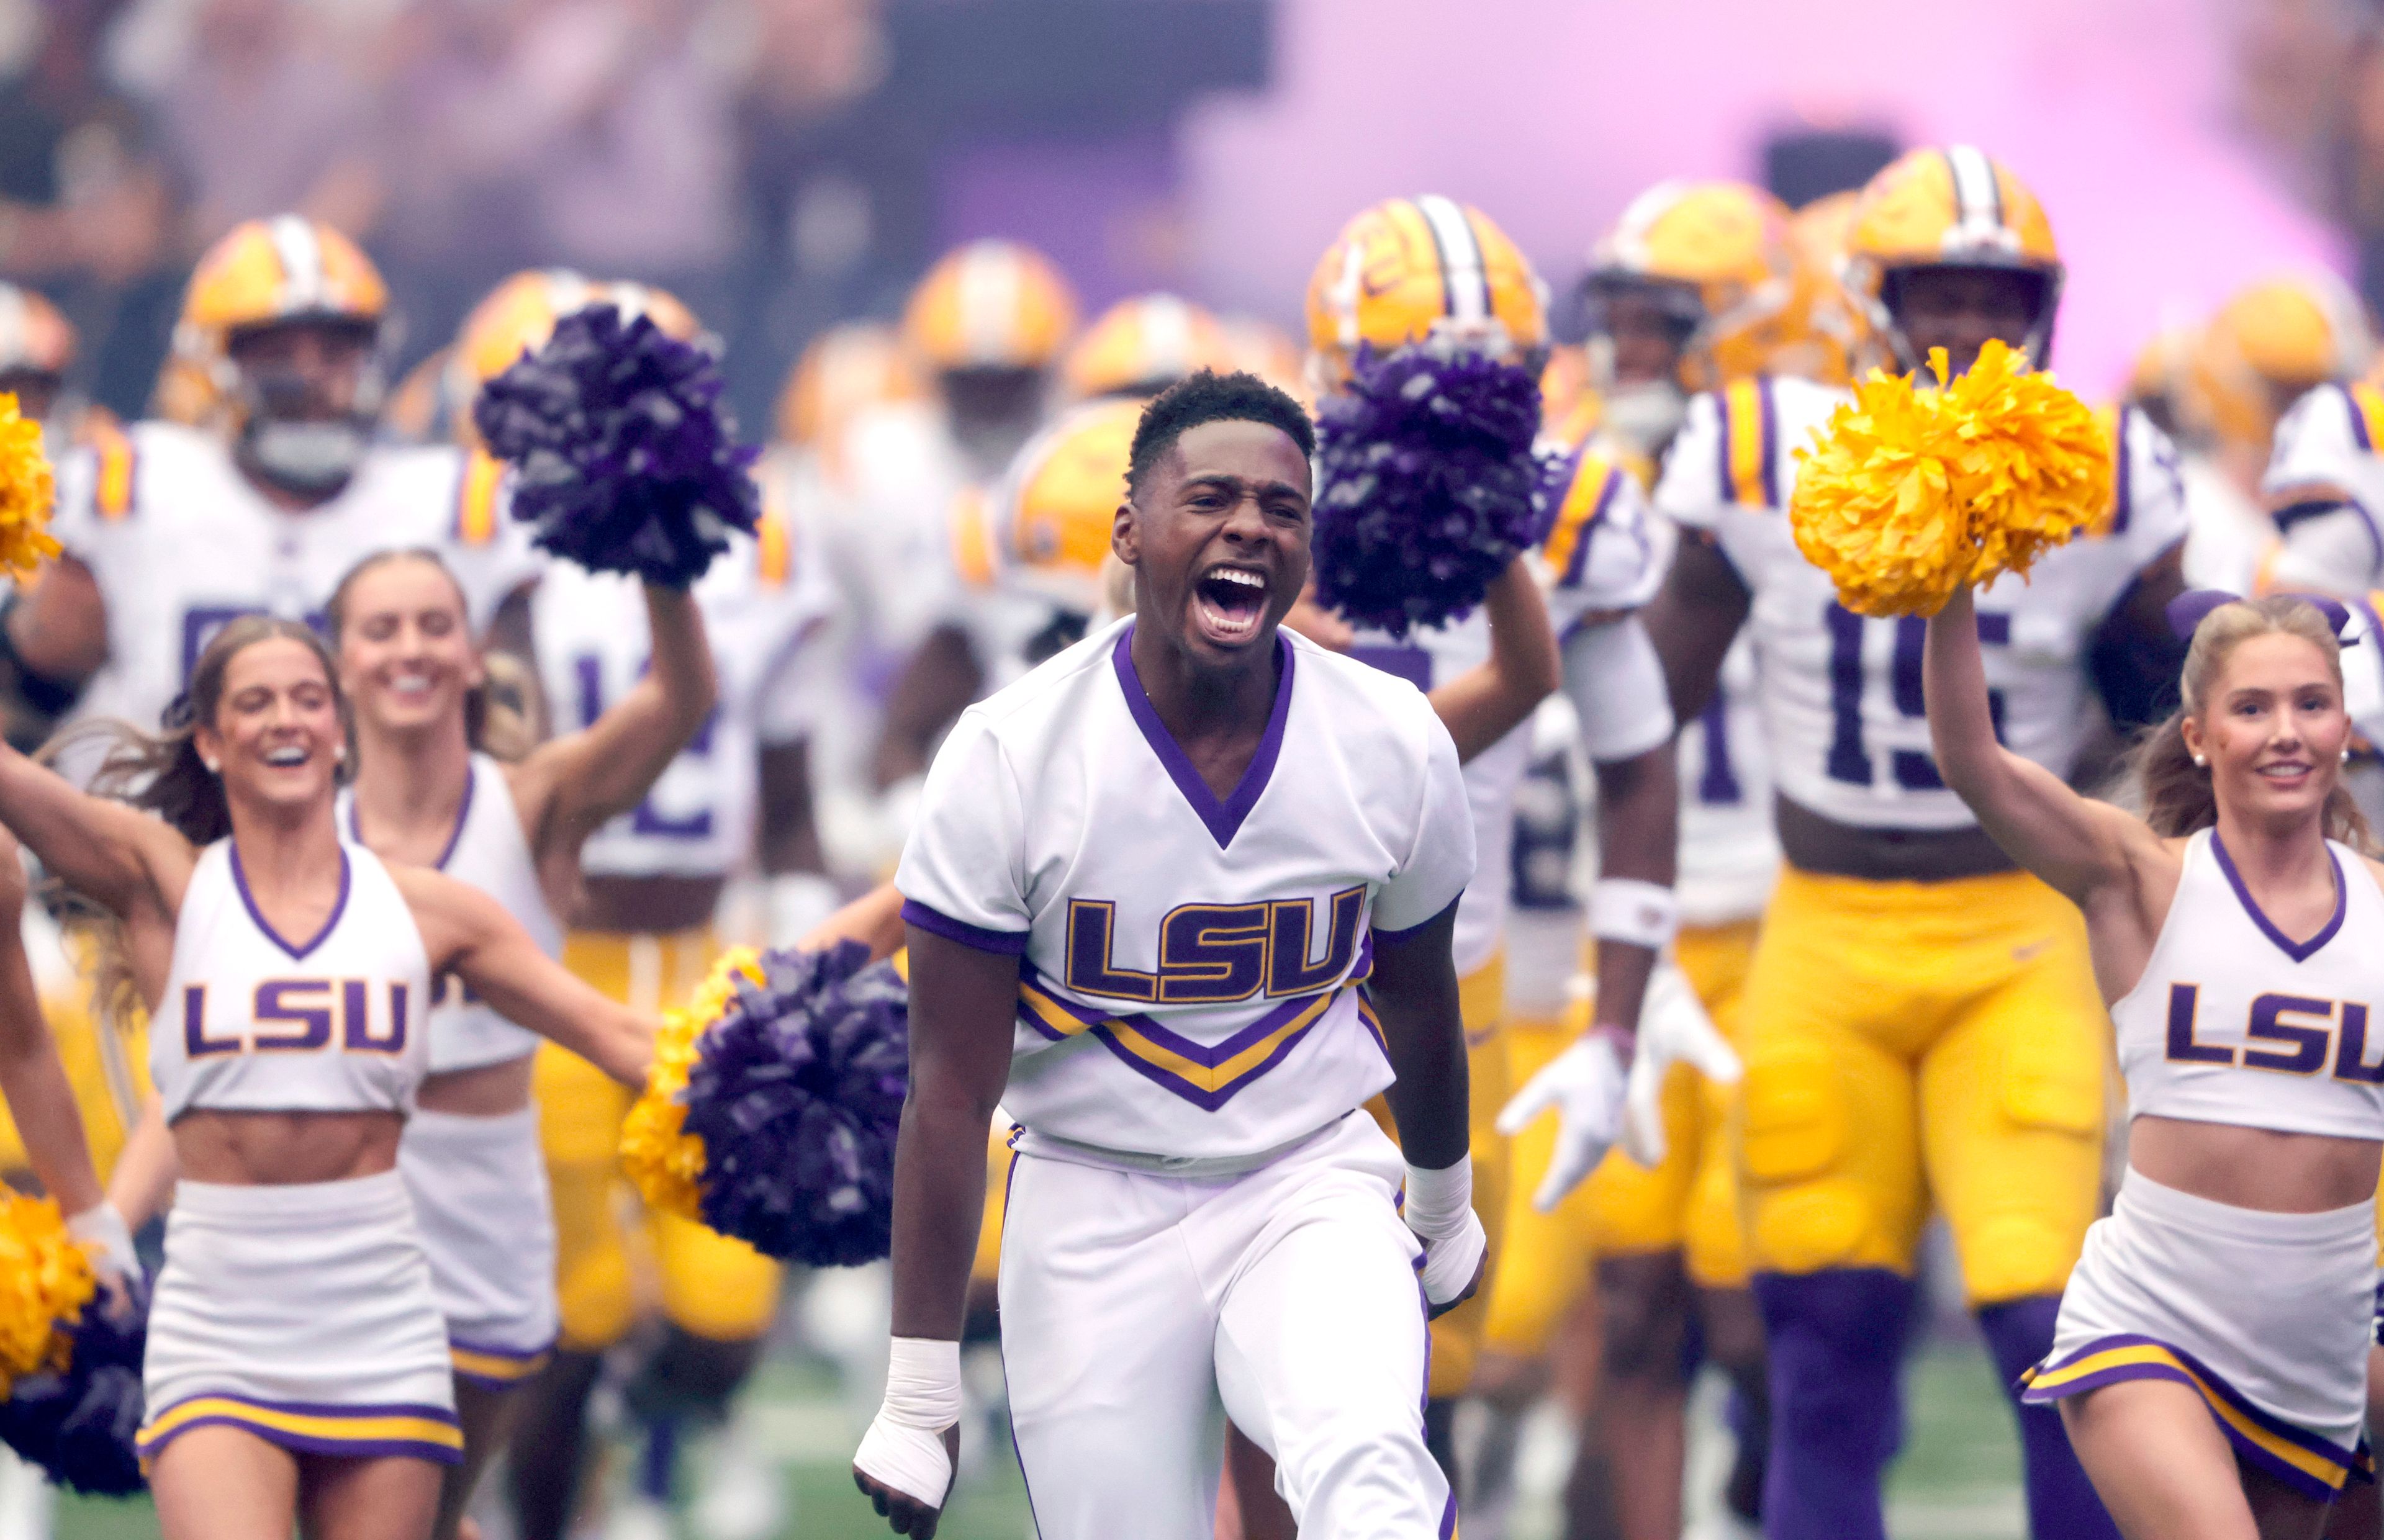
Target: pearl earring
{"x":2201,"y":762}
{"x":213,"y":768}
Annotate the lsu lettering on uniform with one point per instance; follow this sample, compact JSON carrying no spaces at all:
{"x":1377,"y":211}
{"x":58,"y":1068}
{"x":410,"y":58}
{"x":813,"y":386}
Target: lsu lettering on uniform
{"x":181,"y":542}
{"x":2233,"y":1021}
{"x":1910,"y":1040}
{"x":2325,"y":488}
{"x":301,"y":1313}
{"x":759,"y":604}
{"x":1195,"y":1211}
{"x":1605,"y":555}
{"x":479,"y":1184}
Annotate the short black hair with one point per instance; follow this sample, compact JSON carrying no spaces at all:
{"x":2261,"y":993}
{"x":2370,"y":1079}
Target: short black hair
{"x":1212,"y":397}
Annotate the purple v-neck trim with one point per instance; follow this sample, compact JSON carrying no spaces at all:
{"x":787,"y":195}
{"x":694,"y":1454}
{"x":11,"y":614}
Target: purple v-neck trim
{"x":331,"y":923}
{"x":454,"y":836}
{"x":2300,"y":951}
{"x":1222,"y":819}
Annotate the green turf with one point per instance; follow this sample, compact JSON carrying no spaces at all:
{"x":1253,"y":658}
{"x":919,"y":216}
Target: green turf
{"x":1957,"y":1478}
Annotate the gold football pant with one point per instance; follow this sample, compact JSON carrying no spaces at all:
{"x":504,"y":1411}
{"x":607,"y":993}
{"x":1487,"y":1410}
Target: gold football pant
{"x":612,"y":1254}
{"x":1687,"y":1203}
{"x":1909,"y":1043}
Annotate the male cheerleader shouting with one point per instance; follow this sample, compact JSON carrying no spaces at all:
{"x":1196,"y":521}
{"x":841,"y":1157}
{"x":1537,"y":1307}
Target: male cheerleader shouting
{"x":1145,"y":886}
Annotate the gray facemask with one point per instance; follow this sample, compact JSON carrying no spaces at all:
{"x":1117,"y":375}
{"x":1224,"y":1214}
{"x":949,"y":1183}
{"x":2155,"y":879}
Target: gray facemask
{"x":1645,"y":416}
{"x":306,"y":457}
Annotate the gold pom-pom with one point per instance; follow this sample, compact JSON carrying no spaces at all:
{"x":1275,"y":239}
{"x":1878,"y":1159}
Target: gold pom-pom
{"x":664,"y":1161}
{"x":26,"y":493}
{"x":45,"y":1280}
{"x":1909,"y":495}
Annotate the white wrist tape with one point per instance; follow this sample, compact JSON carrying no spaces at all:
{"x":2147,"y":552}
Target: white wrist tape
{"x":101,"y":1231}
{"x":1439,"y":1202}
{"x":904,"y":1445}
{"x":1636,"y":913}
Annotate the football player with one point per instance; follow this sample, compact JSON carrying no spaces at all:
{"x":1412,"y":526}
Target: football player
{"x":171,"y":530}
{"x":1141,"y":346}
{"x":1920,"y":1021}
{"x":1413,"y":269}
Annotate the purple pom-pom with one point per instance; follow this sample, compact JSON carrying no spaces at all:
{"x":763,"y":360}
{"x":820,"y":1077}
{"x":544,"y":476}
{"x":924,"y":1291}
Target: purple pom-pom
{"x":625,"y":456}
{"x":78,"y":1425}
{"x":1430,"y":487}
{"x":797,"y":1092}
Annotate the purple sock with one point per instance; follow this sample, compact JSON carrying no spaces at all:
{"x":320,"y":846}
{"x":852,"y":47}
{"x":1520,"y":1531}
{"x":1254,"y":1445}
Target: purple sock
{"x":1837,"y":1408}
{"x":2061,"y":1501}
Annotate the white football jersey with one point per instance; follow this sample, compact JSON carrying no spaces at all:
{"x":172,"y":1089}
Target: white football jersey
{"x":760,"y":601}
{"x":2325,"y":485}
{"x":181,"y":542}
{"x":1842,"y":715}
{"x":489,"y":851}
{"x":253,"y":1021}
{"x":1188,"y":965}
{"x":2235,"y":1021}
{"x":889,"y":527}
{"x":1729,"y":853}
{"x":1605,"y":556}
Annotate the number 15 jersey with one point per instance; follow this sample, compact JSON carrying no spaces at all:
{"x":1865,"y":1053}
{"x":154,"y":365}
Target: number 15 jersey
{"x":1842,"y":713}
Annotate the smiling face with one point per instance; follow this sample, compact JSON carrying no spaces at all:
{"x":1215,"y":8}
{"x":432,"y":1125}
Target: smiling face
{"x":276,"y":737}
{"x":2274,"y":728}
{"x":1217,"y":537}
{"x":406,"y":658}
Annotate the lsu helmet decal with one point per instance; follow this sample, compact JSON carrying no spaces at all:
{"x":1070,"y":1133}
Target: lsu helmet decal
{"x":989,"y":304}
{"x":1410,"y":268}
{"x":1949,"y":207}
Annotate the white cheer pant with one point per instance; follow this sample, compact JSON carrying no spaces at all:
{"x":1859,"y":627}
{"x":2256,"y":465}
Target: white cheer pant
{"x":1132,"y":1304}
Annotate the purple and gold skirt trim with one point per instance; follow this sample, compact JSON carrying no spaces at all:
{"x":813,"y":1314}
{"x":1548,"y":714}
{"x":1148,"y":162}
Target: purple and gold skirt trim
{"x":356,"y":1432}
{"x":2316,"y":1465}
{"x":496,"y":1367}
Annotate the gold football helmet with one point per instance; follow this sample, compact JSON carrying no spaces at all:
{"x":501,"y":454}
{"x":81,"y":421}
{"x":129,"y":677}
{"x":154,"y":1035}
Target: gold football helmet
{"x":1141,"y":346}
{"x":1949,"y":207}
{"x":1416,"y":267}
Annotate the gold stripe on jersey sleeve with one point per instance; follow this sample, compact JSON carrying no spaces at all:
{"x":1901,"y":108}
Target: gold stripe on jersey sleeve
{"x":476,"y":499}
{"x":1746,"y":442}
{"x":776,"y":555}
{"x":2367,"y":403}
{"x":112,"y":486}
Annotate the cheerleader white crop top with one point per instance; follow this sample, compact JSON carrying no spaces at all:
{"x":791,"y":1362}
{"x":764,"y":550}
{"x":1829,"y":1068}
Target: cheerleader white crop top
{"x":2234,"y":1021}
{"x":255,"y":1021}
{"x":489,"y":851}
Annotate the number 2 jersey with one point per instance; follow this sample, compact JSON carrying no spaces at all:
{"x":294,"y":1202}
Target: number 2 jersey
{"x":1840,"y":694}
{"x":1605,"y":556}
{"x":181,"y":542}
{"x":1188,"y":963}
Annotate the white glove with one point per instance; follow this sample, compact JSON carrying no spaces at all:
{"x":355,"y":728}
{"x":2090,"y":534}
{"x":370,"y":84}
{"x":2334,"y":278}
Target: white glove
{"x":1439,"y":1211}
{"x":905,"y":1446}
{"x":1674,"y":1029}
{"x":1586,"y":1085}
{"x":101,"y":1231}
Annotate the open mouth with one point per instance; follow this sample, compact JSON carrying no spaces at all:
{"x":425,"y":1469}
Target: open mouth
{"x":289,"y":756}
{"x":2284,"y":772}
{"x":410,"y":687}
{"x":1229,"y":601}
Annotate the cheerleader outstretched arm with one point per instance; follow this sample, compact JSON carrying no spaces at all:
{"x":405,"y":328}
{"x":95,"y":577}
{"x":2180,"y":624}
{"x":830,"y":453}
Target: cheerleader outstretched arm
{"x":470,"y":934}
{"x":2082,"y":848}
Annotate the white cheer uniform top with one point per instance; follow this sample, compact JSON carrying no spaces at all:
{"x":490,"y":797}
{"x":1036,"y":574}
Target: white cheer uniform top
{"x":181,"y":543}
{"x":253,"y":1021}
{"x":2232,"y":1021}
{"x":1604,"y":557}
{"x":1188,"y":963}
{"x":489,"y":851}
{"x":1843,"y":713}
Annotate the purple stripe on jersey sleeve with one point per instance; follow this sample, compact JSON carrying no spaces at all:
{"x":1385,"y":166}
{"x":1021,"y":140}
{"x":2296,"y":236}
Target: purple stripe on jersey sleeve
{"x":1006,"y":943}
{"x":1222,"y":819}
{"x":1392,"y":938}
{"x":1771,"y":442}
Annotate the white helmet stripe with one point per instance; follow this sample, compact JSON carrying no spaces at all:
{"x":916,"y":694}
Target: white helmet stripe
{"x":1167,"y":334}
{"x":1343,"y":295}
{"x":16,"y":345}
{"x":1978,"y":202}
{"x":301,"y":257}
{"x":1463,"y":272}
{"x":989,"y":288}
